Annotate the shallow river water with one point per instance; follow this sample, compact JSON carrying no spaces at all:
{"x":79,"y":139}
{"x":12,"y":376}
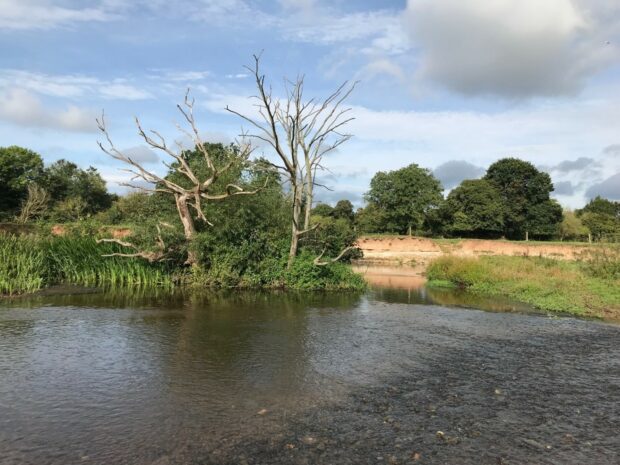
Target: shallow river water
{"x":390,"y":376}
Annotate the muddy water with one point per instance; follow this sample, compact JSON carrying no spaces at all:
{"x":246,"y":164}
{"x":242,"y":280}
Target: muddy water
{"x":386,"y":377}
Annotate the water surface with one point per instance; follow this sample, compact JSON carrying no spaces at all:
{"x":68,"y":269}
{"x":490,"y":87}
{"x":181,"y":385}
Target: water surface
{"x":246,"y":377}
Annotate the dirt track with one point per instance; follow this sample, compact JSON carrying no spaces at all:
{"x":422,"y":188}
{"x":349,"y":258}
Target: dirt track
{"x":404,"y":249}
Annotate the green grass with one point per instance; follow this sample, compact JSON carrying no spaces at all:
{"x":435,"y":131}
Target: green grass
{"x":22,"y":265}
{"x":80,"y":260}
{"x":580,"y":288}
{"x":29,"y":263}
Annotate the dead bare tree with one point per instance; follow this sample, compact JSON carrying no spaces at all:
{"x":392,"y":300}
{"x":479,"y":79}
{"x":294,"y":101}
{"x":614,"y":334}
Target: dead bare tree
{"x":189,"y":201}
{"x":319,"y":262}
{"x":34,"y":205}
{"x":301,"y":133}
{"x":151,"y":256}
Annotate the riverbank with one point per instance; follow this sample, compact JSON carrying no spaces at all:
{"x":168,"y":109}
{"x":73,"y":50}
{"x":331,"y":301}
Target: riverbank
{"x":575,"y":278}
{"x":408,"y":250}
{"x":29,"y":263}
{"x":587,"y":288}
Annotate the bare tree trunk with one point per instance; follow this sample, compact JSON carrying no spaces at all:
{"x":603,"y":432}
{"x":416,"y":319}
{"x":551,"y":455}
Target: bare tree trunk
{"x":188,"y":224}
{"x":295,"y":232}
{"x":309,"y":199}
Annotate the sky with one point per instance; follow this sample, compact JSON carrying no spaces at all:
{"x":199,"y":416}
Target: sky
{"x":450,"y":85}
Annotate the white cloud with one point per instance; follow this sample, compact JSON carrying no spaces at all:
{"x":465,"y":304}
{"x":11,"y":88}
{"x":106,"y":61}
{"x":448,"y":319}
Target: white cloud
{"x":379,"y":67}
{"x":513,"y":48}
{"x":123,"y":92}
{"x":20,"y":107}
{"x":71,"y":86}
{"x":330,"y":28}
{"x":181,"y":76}
{"x":41,"y":14}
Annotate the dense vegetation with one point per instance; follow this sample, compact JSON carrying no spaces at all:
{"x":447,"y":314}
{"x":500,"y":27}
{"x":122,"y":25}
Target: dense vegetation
{"x":589,"y":287}
{"x":244,"y":243}
{"x":59,"y":192}
{"x":511,"y":201}
{"x":244,"y":240}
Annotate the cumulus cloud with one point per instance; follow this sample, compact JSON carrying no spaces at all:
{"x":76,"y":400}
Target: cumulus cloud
{"x":612,"y":150}
{"x":609,"y":188}
{"x":141,"y":154}
{"x":563,"y":188}
{"x":20,"y":107}
{"x":511,"y":48}
{"x":453,"y":172}
{"x":580,"y":164}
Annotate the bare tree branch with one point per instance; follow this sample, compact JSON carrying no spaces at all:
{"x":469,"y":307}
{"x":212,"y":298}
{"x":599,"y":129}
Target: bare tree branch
{"x":318,"y":262}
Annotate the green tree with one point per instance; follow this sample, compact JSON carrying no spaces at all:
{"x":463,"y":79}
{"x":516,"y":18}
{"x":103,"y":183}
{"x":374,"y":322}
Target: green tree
{"x":602,"y":218}
{"x":64,"y":180}
{"x":572,"y":227}
{"x":602,"y":206}
{"x":405,"y":197}
{"x":344,"y":210}
{"x":524,"y":191}
{"x":323,"y":209}
{"x":473,"y":209}
{"x":543,"y":219}
{"x":19,"y":167}
{"x":368,"y":219}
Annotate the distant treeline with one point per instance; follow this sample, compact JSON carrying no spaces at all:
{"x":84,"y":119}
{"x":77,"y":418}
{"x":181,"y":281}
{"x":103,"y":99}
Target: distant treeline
{"x":511,"y":200}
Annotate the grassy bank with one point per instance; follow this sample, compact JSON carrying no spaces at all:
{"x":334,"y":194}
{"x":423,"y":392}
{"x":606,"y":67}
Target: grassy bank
{"x":588,"y":287}
{"x":30,"y":263}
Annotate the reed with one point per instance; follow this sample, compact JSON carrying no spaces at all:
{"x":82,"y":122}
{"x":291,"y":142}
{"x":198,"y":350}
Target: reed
{"x":80,"y":260}
{"x":22,"y":265}
{"x":29,"y":263}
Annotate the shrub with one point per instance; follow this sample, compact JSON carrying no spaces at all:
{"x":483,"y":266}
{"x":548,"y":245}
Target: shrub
{"x":602,"y":263}
{"x":305,"y":275}
{"x":463,"y":272}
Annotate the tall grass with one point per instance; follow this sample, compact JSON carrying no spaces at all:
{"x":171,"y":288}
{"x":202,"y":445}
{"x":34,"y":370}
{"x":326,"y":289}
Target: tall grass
{"x":28,"y":263}
{"x":22,"y":265}
{"x":548,"y":284}
{"x":80,"y":260}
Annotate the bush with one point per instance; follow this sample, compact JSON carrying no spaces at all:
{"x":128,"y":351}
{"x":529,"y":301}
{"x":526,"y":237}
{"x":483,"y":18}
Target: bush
{"x":305,"y":275}
{"x":462,"y":272}
{"x":602,"y":263}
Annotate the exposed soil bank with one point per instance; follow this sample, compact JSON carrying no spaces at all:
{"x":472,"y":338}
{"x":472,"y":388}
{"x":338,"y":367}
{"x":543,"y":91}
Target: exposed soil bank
{"x":405,"y":249}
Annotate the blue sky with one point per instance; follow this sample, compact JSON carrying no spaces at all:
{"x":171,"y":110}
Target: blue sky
{"x":447,"y":84}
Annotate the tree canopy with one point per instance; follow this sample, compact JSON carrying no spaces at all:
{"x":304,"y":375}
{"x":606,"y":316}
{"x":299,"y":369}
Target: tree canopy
{"x":602,"y":218}
{"x":68,"y":190}
{"x":404,"y":198}
{"x":473,"y":209}
{"x":19,"y":167}
{"x":524,"y":191}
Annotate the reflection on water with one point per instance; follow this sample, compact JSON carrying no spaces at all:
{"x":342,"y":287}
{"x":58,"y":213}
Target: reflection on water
{"x":408,"y":285}
{"x":143,"y":377}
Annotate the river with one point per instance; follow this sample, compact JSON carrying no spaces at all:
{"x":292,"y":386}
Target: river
{"x":396,"y":375}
